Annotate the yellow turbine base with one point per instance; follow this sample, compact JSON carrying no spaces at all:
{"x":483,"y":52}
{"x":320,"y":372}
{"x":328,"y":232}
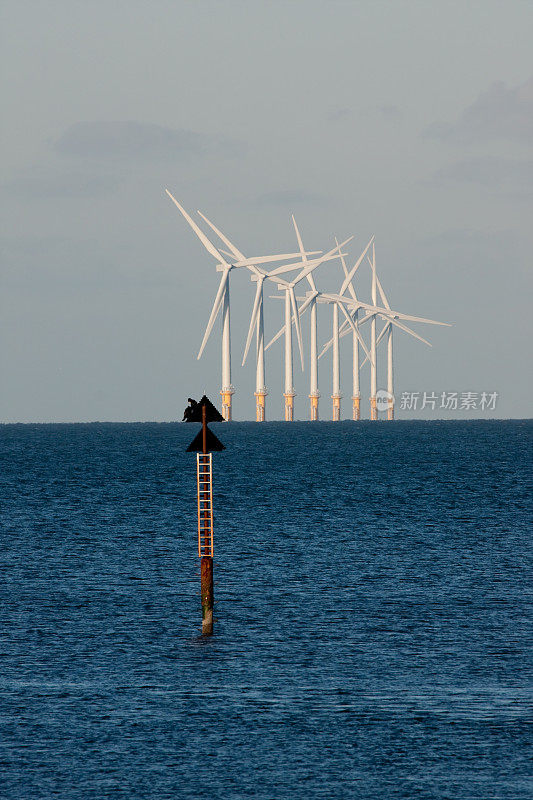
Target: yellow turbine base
{"x":260,"y":406}
{"x":336,"y":407}
{"x":289,"y":407}
{"x":356,"y":408}
{"x":314,"y":407}
{"x":226,"y":404}
{"x":373,"y":409}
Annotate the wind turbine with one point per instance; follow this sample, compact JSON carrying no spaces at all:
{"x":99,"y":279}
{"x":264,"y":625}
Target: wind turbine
{"x":348,"y":276}
{"x":222,"y":299}
{"x":337,"y":302}
{"x":388,"y":329}
{"x":314,"y":394}
{"x":292,"y":314}
{"x":373,"y":366}
{"x":310,"y":302}
{"x":391,"y":318}
{"x":356,"y":389}
{"x":257,"y":318}
{"x":356,"y":392}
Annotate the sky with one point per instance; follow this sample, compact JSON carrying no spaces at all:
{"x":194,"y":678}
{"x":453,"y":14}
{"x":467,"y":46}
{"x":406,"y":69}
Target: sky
{"x":408,"y":120}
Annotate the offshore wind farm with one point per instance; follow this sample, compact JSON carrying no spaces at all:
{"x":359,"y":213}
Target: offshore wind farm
{"x":341,"y":294}
{"x":265,"y":435}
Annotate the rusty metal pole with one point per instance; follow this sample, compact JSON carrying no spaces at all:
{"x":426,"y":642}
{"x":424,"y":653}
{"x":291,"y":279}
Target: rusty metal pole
{"x":206,"y":564}
{"x":204,"y":430}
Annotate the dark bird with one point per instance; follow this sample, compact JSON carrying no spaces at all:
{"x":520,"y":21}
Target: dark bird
{"x":190,"y":414}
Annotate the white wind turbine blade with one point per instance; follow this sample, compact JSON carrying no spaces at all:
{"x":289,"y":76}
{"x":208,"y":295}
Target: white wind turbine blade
{"x":299,"y":238}
{"x":410,"y":332}
{"x":403,"y":328}
{"x":345,"y":268}
{"x":209,"y":246}
{"x":215,"y":309}
{"x":297,"y":324}
{"x":284,"y":269}
{"x":343,"y":330}
{"x":253,"y":319}
{"x":252,"y":262}
{"x":382,"y":293}
{"x":302,"y":309}
{"x":353,"y":326}
{"x":309,"y":266}
{"x":267,"y":259}
{"x":227,"y":253}
{"x":310,"y":279}
{"x":312,"y":265}
{"x":354,"y":269}
{"x":378,"y":340}
{"x":242,"y":260}
{"x":387,"y":312}
{"x":234,"y":250}
{"x":325,"y":348}
{"x":276,"y":337}
{"x":382,"y":333}
{"x":381,"y":312}
{"x":405,"y":316}
{"x":395,"y":315}
{"x":367,"y":317}
{"x":307,"y":302}
{"x":378,"y":282}
{"x":298,"y":265}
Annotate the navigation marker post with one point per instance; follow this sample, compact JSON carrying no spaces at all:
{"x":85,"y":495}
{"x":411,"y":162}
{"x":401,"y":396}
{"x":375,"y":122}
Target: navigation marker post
{"x":203,"y":444}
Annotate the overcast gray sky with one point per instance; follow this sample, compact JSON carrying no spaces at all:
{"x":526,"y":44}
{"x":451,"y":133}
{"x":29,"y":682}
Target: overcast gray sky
{"x":409,"y":120}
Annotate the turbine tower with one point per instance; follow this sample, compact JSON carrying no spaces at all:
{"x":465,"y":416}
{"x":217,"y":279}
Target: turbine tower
{"x":222,"y":299}
{"x":257,"y":318}
{"x":292,"y":314}
{"x":391,"y":318}
{"x":387,"y":330}
{"x":324,"y":297}
{"x":260,"y":384}
{"x":257,"y":321}
{"x":336,"y":301}
{"x":356,"y":389}
{"x":314,"y":394}
{"x":291,"y":309}
{"x":373,"y":365}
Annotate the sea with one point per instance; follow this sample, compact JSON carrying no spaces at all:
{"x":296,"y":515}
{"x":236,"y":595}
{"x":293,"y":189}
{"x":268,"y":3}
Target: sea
{"x":372,"y":635}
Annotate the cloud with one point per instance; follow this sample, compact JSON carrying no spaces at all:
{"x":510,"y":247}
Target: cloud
{"x":499,"y":113}
{"x":56,"y":181}
{"x":66,"y":264}
{"x":100,"y":155}
{"x":140,"y":140}
{"x":287,"y":197}
{"x":390,"y":111}
{"x":515,"y":176}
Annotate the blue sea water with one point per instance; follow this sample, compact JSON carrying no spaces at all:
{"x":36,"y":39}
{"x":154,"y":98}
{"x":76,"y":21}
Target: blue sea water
{"x":372,"y":612}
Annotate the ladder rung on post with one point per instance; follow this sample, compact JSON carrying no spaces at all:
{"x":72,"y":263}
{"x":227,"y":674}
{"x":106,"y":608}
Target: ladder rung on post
{"x":205,"y":504}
